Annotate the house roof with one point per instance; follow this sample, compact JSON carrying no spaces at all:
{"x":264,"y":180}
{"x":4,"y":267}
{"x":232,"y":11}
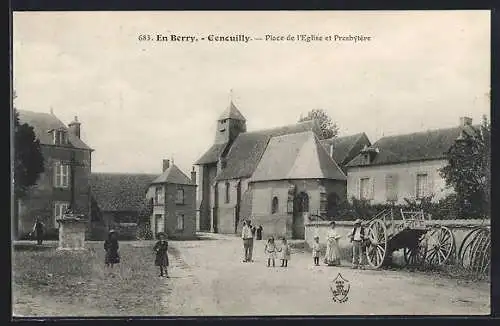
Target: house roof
{"x":246,"y":151}
{"x":419,"y":146}
{"x":212,"y":155}
{"x":343,"y":146}
{"x":42,"y":123}
{"x":120,"y":191}
{"x":296,"y":156}
{"x":232,"y":113}
{"x":173,"y":175}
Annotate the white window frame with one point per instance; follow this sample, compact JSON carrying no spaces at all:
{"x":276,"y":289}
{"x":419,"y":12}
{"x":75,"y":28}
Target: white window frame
{"x":422,"y":189}
{"x":368,"y":190}
{"x":59,"y":137}
{"x":159,"y":198}
{"x":61,"y":175}
{"x":179,"y":200}
{"x":59,"y":208}
{"x":180,"y":226}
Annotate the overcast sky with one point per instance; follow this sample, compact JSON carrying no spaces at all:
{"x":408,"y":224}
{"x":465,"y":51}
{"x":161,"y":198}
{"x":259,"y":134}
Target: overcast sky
{"x":140,"y":102}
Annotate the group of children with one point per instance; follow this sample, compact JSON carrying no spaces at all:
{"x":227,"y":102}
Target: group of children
{"x":271,"y":250}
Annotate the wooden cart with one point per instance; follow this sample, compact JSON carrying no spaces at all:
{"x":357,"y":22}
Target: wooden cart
{"x":422,"y":241}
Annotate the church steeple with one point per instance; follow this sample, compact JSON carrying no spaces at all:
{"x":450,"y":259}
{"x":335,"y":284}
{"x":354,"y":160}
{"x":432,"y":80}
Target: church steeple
{"x":230,"y":124}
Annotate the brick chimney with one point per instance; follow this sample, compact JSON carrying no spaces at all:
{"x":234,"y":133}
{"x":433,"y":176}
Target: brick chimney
{"x":465,"y":121}
{"x":193,"y":176}
{"x":166,"y":165}
{"x":74,"y":127}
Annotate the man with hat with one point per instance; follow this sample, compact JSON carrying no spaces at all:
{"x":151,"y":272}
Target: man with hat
{"x":357,"y":237}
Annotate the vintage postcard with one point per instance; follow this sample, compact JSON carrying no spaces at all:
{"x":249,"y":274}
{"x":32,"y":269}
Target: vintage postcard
{"x":251,"y":163}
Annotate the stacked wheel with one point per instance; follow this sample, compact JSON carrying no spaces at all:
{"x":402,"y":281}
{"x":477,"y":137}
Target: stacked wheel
{"x":475,"y":252}
{"x":440,"y":246}
{"x":376,"y":249}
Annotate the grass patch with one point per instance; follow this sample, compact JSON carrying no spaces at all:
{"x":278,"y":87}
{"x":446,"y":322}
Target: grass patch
{"x":80,"y":278}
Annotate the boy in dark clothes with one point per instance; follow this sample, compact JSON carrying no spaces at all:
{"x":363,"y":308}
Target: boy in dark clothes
{"x":161,"y":248}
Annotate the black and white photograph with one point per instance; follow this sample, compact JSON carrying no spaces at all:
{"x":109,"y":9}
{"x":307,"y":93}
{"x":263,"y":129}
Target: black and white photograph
{"x":250,"y":163}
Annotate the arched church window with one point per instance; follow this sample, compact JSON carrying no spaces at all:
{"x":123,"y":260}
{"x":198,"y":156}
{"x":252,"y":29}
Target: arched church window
{"x":274,"y":205}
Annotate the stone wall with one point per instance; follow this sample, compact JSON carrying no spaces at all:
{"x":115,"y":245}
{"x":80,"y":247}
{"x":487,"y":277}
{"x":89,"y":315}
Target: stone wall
{"x":460,"y":229}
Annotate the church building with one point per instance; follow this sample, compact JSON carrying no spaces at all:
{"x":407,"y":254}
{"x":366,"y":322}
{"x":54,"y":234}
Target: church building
{"x":277,"y":177}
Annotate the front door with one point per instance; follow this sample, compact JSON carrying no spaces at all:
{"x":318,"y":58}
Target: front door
{"x":301,"y":206}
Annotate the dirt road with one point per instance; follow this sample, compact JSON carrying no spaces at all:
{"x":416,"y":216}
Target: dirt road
{"x":210,"y":279}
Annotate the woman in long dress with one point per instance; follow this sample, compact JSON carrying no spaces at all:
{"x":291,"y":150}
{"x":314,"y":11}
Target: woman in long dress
{"x":332,"y":256}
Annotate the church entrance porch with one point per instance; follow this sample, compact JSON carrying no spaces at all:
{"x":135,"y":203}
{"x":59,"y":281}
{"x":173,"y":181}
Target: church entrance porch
{"x":300,"y":207}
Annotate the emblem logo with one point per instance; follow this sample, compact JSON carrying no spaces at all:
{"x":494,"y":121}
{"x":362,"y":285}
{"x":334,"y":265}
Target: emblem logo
{"x":340,"y":289}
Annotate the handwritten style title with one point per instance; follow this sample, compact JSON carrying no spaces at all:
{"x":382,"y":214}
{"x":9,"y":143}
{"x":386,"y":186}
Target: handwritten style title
{"x":243,"y":38}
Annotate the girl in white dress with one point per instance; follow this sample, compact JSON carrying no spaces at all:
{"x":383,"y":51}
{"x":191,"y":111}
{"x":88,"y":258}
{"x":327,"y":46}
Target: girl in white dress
{"x":270,"y":250}
{"x":332,"y":256}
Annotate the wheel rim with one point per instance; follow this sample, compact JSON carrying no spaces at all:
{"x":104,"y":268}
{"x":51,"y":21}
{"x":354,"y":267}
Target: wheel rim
{"x":377,"y":247}
{"x":440,"y":246}
{"x":463,"y":253}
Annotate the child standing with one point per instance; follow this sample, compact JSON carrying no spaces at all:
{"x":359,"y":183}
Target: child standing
{"x":270,"y":251}
{"x":160,"y":249}
{"x":316,"y":250}
{"x":285,"y":253}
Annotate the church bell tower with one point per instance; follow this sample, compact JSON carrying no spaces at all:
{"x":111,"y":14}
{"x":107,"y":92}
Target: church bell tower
{"x":229,"y":125}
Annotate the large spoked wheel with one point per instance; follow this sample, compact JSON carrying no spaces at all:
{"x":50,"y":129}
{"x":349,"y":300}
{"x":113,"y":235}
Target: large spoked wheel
{"x":464,"y":252}
{"x":415,"y":256}
{"x":440,"y":246}
{"x":376,"y":249}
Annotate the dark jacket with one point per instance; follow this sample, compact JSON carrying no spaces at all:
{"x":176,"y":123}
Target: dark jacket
{"x":362,"y":233}
{"x":112,"y":256}
{"x":161,"y":248}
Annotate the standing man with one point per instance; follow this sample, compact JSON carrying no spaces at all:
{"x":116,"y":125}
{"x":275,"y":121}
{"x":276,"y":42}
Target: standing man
{"x":38,"y":229}
{"x":357,"y":237}
{"x":246,"y":235}
{"x":252,"y":230}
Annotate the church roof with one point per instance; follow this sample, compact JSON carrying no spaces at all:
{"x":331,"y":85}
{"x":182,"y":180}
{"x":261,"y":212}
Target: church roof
{"x":419,"y":146}
{"x":246,"y":151}
{"x":296,"y":156}
{"x":173,"y":175}
{"x":232,"y":113}
{"x":42,"y":123}
{"x":345,"y":148}
{"x":212,"y":154}
{"x":120,"y":191}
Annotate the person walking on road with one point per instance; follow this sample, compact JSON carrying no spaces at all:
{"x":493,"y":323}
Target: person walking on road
{"x":285,"y":253}
{"x":246,"y":235}
{"x":160,"y":249}
{"x":111,"y":247}
{"x":38,"y":230}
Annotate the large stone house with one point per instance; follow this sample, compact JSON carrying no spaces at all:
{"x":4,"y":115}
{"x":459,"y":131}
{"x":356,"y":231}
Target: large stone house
{"x":174,"y":203}
{"x":65,"y":181}
{"x":404,"y":166}
{"x":118,"y":199}
{"x":225,"y":193}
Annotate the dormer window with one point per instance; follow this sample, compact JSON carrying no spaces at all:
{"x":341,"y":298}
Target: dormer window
{"x":60,"y":137}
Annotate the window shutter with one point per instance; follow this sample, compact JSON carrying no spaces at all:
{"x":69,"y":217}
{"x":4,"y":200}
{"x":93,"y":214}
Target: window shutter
{"x":358,"y":188}
{"x":430,"y":184}
{"x":372,"y":188}
{"x":413,"y":185}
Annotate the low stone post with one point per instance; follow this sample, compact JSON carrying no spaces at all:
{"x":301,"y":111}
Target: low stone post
{"x":72,"y":232}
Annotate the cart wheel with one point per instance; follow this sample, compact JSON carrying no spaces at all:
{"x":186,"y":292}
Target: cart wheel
{"x":414,"y":256}
{"x":464,"y":252}
{"x":376,"y":250}
{"x":440,"y":246}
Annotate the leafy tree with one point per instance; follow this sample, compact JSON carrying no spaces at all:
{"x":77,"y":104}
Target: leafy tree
{"x":28,"y":161}
{"x":328,"y":127}
{"x":468,"y":171}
